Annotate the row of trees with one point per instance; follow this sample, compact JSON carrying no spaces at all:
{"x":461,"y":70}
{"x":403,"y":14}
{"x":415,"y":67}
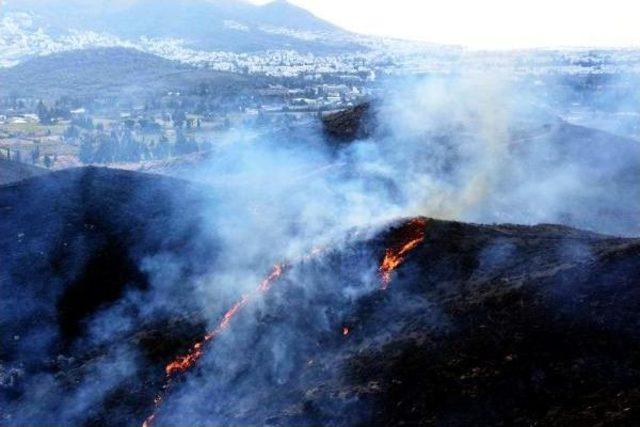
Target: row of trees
{"x":35,"y":156}
{"x":124,"y":146}
{"x":49,"y":115}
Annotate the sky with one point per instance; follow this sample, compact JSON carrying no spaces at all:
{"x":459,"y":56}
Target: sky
{"x":489,"y":24}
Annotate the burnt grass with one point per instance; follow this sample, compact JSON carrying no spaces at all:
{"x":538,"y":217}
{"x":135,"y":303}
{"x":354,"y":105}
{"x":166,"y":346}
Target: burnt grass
{"x":72,"y":244}
{"x":481,"y":325}
{"x":541,"y":337}
{"x":348,"y":125}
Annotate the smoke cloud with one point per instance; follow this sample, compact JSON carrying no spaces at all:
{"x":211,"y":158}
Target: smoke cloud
{"x":480,"y":149}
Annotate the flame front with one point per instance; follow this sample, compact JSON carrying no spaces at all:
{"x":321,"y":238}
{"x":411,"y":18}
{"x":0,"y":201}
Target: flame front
{"x":272,"y":277}
{"x":407,"y":238}
{"x":184,"y":362}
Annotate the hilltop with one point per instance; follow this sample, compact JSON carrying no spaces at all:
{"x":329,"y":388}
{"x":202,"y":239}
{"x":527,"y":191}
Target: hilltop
{"x":108,"y":71}
{"x":230,"y":25}
{"x":480,"y":325}
{"x":11,"y":171}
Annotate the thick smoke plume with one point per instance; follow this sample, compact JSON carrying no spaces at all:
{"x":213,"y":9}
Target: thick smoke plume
{"x":470,"y":149}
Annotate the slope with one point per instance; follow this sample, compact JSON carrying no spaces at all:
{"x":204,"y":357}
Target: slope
{"x":107,"y":72}
{"x":480,"y":325}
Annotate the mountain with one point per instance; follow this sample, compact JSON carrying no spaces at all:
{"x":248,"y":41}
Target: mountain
{"x":108,"y":71}
{"x":210,"y":25}
{"x":480,"y":325}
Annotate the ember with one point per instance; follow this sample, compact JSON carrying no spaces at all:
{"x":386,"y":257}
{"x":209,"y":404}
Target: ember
{"x":406,"y":238}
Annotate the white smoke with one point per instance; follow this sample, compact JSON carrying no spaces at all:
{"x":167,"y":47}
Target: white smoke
{"x":461,"y":148}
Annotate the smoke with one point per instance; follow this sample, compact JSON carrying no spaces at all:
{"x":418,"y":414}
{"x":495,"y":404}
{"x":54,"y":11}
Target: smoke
{"x":490,"y":150}
{"x":472,"y":149}
{"x":477,"y":149}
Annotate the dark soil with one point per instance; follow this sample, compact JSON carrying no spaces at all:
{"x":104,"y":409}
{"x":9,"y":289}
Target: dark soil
{"x":481,"y":325}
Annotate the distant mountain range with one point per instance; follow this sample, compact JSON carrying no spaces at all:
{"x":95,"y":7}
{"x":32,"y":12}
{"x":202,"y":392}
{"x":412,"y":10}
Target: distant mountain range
{"x":116,"y":71}
{"x":34,"y":27}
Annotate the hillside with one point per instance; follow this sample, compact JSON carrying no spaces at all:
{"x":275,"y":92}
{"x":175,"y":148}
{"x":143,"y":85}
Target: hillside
{"x":108,"y":72}
{"x":481,"y":325}
{"x":11,"y":171}
{"x":230,"y":25}
{"x":605,"y":196}
{"x":348,"y":125}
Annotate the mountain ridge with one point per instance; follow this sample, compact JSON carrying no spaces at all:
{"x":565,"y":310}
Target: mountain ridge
{"x":104,"y":70}
{"x":230,"y":25}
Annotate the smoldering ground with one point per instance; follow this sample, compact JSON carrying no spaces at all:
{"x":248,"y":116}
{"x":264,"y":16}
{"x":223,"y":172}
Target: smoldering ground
{"x":462,"y":148}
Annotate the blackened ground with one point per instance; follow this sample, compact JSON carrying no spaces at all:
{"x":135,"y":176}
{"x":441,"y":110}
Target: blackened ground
{"x":71,"y":244}
{"x":79,"y":236}
{"x":481,"y":325}
{"x":12,"y":171}
{"x":350,"y":124}
{"x":539,"y":327}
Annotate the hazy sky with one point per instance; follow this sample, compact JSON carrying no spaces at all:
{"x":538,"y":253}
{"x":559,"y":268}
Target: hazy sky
{"x":489,"y":23}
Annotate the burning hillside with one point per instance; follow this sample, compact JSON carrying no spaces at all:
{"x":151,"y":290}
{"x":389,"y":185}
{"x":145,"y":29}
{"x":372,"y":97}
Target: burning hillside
{"x":405,"y":239}
{"x":482,"y":325}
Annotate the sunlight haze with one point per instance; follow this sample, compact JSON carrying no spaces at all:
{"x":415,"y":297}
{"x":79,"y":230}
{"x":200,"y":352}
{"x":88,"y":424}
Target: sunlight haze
{"x":491,"y":24}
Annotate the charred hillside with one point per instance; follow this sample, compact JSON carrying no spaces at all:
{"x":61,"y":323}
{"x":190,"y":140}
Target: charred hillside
{"x":474,"y":324}
{"x":12,"y":171}
{"x":353,"y":123}
{"x":73,"y":242}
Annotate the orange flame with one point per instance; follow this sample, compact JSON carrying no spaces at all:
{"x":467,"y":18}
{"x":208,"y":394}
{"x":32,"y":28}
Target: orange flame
{"x":277,"y":271}
{"x":183,"y":362}
{"x":408,"y":237}
{"x":149,"y":420}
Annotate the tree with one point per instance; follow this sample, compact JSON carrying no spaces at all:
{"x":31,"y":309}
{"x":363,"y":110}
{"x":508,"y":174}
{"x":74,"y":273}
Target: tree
{"x":184,"y":145}
{"x":86,"y":150}
{"x":162,"y":149}
{"x":35,"y":153}
{"x":43,"y":113}
{"x":84,"y":122}
{"x":71,"y":132}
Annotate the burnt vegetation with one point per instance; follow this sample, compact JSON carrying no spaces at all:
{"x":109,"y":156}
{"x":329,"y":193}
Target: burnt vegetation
{"x":350,"y":124}
{"x":481,"y":325}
